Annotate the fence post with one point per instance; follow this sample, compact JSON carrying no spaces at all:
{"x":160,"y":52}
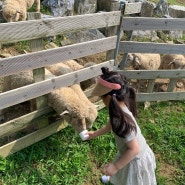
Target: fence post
{"x":109,"y":5}
{"x":38,"y":74}
{"x":171,"y":85}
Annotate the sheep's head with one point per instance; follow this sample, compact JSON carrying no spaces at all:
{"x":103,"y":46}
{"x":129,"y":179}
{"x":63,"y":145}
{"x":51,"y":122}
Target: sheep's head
{"x":136,"y":63}
{"x":130,"y":59}
{"x":10,"y":13}
{"x":79,"y":122}
{"x":76,"y":121}
{"x":92,"y":115}
{"x":177,"y":64}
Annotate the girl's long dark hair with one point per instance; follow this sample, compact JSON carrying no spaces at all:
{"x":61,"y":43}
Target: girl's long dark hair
{"x":121,"y":122}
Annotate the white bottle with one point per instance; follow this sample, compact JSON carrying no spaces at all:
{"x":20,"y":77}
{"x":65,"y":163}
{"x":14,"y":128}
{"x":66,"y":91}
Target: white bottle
{"x":105,"y":179}
{"x":84,"y":136}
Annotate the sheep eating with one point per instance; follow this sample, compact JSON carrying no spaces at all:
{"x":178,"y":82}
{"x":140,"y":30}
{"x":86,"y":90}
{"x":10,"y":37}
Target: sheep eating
{"x":69,"y":102}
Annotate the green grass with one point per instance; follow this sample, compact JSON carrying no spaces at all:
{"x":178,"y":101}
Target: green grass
{"x":172,"y":2}
{"x":63,"y":159}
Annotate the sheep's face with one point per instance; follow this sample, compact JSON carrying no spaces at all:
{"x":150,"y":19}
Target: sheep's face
{"x":93,"y":113}
{"x":78,"y":124}
{"x":177,"y":64}
{"x":12,"y":18}
{"x":136,"y":64}
{"x":130,"y":59}
{"x":10,"y":13}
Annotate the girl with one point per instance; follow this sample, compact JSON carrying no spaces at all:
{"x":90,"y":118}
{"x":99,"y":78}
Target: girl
{"x":134,"y":163}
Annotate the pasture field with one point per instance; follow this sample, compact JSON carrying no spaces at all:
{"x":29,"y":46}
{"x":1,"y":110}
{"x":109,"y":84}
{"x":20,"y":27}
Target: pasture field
{"x":63,"y":159}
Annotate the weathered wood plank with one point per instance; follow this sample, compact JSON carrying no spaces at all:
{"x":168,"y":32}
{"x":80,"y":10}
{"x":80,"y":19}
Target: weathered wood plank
{"x":22,"y":122}
{"x":149,"y":23}
{"x":111,"y":31}
{"x":172,"y":85}
{"x":148,"y":47}
{"x":160,"y":96}
{"x":33,"y":29}
{"x":150,"y":86}
{"x":32,"y":138}
{"x":51,"y":56}
{"x":147,"y":74}
{"x":38,"y":74}
{"x":132,"y":8}
{"x":41,"y":88}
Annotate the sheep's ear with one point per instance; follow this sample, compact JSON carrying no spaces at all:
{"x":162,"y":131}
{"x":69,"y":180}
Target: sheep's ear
{"x":171,"y":64}
{"x":137,"y":60}
{"x":65,"y":112}
{"x":130,"y":57}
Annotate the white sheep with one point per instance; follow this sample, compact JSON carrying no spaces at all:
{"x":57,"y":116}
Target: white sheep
{"x":173,"y":61}
{"x":71,"y":103}
{"x":15,"y":81}
{"x":145,"y":61}
{"x":69,"y":66}
{"x":16,"y":10}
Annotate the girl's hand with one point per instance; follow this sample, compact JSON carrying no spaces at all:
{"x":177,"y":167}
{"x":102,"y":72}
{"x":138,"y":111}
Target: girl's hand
{"x":109,"y":169}
{"x":91,"y":134}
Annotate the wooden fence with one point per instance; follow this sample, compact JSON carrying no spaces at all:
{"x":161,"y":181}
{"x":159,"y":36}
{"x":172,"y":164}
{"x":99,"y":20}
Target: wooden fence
{"x":35,"y":30}
{"x":144,"y":23}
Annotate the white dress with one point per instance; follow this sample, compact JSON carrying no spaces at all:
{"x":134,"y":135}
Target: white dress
{"x":141,"y":170}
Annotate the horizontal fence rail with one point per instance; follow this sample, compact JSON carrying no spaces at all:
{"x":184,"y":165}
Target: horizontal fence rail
{"x":51,"y":56}
{"x":148,"y":23}
{"x":153,"y":74}
{"x":160,"y":96}
{"x":148,"y":47}
{"x":33,"y":29}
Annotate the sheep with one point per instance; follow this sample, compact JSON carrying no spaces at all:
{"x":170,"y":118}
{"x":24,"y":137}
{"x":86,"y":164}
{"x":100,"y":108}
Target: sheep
{"x":59,"y":69}
{"x":15,"y":81}
{"x":71,"y":103}
{"x":69,"y":66}
{"x":173,"y":61}
{"x":145,"y":61}
{"x":16,"y":10}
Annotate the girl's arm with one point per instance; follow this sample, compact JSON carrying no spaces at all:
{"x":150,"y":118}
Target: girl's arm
{"x":130,"y":153}
{"x":105,"y":129}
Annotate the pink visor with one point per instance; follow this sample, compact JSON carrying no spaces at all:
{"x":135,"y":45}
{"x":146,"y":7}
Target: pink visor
{"x":109,"y":84}
{"x":103,"y":87}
